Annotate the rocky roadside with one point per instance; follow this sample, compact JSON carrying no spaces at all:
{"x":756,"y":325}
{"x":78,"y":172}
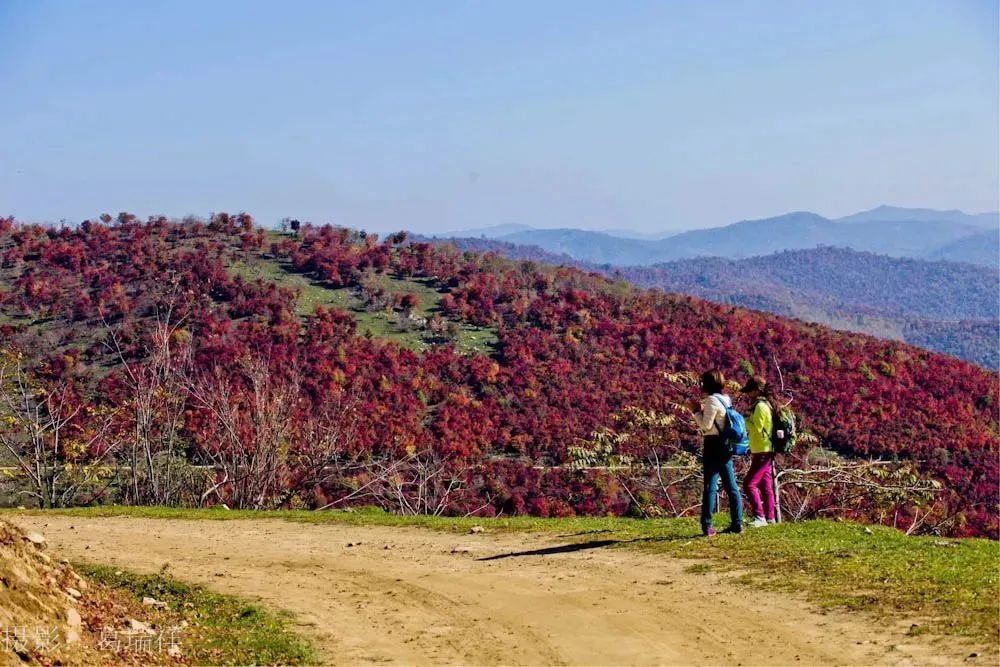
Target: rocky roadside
{"x":50,"y":615}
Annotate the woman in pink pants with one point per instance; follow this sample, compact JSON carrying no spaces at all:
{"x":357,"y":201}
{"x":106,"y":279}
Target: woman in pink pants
{"x":759,"y":477}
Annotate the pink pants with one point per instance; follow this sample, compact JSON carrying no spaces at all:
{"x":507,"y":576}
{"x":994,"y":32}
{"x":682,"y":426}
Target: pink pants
{"x":758,"y":477}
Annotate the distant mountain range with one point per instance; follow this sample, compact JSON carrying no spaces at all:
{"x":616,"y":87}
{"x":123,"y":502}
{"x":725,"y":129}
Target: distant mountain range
{"x":899,"y":214}
{"x":943,"y":306}
{"x":886,"y":230}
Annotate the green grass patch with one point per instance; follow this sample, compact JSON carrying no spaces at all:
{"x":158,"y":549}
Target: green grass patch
{"x":952,"y":585}
{"x":377,"y":324}
{"x":222,"y":630}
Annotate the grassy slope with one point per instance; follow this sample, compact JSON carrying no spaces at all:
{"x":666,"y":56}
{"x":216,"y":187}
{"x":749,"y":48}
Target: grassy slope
{"x":953,"y":584}
{"x":222,"y":630}
{"x":377,"y":324}
{"x":254,"y":265}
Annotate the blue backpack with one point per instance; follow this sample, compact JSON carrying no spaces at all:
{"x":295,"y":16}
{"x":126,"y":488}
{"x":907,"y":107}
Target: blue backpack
{"x":734,"y":433}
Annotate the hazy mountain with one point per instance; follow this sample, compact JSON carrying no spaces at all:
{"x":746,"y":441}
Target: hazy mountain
{"x":982,"y":248}
{"x":900,"y":214}
{"x":493,"y":232}
{"x":797,"y":231}
{"x":633,"y":234}
{"x":892,"y":231}
{"x":596,"y":247}
{"x":749,"y":238}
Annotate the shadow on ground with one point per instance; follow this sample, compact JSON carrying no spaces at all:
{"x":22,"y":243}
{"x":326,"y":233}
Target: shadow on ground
{"x":582,"y":546}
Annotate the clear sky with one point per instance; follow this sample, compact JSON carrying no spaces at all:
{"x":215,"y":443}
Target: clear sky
{"x":442,"y":115}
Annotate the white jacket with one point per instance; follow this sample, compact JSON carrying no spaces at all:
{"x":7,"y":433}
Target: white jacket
{"x":712,"y":418}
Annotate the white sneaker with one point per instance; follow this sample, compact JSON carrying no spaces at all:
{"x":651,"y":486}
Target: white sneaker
{"x":771,"y":521}
{"x":758,"y":522}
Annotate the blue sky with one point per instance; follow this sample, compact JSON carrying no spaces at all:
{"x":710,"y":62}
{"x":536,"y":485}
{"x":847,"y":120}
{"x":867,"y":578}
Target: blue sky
{"x":433,"y":115}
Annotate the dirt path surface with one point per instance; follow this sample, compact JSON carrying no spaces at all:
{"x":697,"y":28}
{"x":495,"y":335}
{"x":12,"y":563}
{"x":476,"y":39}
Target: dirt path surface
{"x":413,"y":596}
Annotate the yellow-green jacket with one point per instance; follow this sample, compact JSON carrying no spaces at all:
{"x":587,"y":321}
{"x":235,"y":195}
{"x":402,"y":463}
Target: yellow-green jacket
{"x":759,"y":427}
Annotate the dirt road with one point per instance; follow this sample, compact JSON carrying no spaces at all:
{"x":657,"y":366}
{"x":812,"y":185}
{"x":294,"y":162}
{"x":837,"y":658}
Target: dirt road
{"x":413,"y":596}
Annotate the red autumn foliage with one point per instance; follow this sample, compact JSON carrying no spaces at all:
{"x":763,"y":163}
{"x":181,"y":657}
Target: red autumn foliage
{"x":573,"y":350}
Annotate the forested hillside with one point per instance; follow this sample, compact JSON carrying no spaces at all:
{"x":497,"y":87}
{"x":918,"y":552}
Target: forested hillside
{"x":205,"y":363}
{"x":942,"y":306}
{"x":943,"y":290}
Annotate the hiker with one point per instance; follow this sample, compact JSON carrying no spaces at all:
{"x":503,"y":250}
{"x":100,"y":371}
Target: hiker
{"x":760,"y":426}
{"x":710,"y":415}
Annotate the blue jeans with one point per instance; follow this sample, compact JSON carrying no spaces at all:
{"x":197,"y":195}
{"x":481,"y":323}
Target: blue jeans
{"x":717,"y":462}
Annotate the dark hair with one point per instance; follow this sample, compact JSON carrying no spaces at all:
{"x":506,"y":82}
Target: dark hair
{"x":713,"y":381}
{"x":759,"y":384}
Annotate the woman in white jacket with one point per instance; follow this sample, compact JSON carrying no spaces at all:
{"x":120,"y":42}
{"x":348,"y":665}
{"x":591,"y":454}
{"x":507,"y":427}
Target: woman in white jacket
{"x":717,"y":461}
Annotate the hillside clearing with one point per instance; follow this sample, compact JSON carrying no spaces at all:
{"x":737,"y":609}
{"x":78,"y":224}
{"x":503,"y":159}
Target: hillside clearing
{"x":379,"y":324}
{"x":376,"y":593}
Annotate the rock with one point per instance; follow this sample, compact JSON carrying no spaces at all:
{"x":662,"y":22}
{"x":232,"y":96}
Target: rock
{"x":477,"y":529}
{"x":35,"y":538}
{"x":461,"y":550}
{"x":153,"y":602}
{"x":21,"y":507}
{"x":140,"y":626}
{"x":73,"y":625}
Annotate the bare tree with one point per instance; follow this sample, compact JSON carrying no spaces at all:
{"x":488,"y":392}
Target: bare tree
{"x":421,"y":483}
{"x":249,"y":410}
{"x":155,"y":403}
{"x":322,"y":450}
{"x":818,"y":482}
{"x":43,"y":435}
